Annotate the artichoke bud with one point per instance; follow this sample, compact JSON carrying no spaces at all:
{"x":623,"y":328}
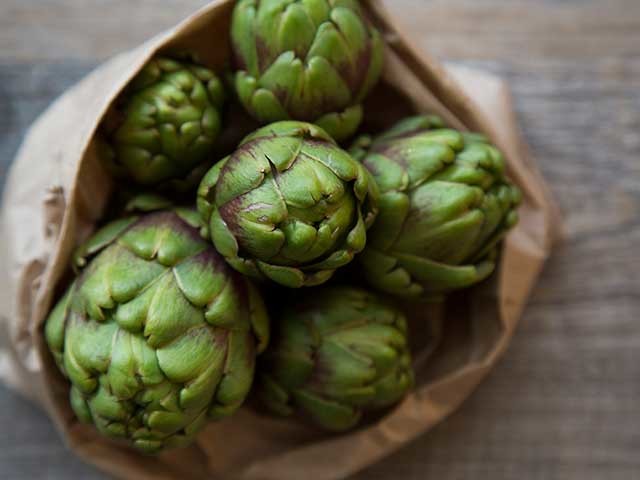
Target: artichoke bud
{"x":305,"y":60}
{"x":157,"y":334}
{"x":445,"y":204}
{"x":163,"y":127}
{"x":288,"y":205}
{"x":336,"y":354}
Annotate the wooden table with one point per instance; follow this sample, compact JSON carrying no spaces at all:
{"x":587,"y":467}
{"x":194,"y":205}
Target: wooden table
{"x":565,"y":401}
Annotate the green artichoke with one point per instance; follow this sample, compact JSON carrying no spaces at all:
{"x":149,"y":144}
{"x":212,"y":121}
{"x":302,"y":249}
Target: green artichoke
{"x":310,"y":60}
{"x":336,"y":353}
{"x":165,"y":124}
{"x":288,"y":205}
{"x":157,"y":334}
{"x":445,"y":204}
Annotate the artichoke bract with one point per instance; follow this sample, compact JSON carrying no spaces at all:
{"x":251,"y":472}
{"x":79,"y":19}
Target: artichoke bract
{"x":288,"y":205}
{"x":165,"y":124}
{"x":336,"y":353}
{"x":312,"y":60}
{"x":157,"y":334}
{"x":445,"y":203}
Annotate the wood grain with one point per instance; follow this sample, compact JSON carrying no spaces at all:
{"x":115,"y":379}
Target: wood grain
{"x":564,"y":402}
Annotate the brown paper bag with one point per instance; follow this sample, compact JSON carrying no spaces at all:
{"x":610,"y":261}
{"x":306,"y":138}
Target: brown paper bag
{"x":57,"y":191}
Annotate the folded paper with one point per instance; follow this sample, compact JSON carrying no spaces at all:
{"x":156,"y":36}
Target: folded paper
{"x":57,"y":191}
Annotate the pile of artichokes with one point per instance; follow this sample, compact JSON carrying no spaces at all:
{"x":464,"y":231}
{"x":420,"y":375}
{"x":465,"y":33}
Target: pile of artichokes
{"x":165,"y":327}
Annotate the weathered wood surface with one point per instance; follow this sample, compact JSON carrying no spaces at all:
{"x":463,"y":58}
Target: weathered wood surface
{"x":565,"y":401}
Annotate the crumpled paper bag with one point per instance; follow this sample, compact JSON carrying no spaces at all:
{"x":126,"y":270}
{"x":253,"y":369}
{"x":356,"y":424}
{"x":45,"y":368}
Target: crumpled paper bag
{"x":57,"y":191}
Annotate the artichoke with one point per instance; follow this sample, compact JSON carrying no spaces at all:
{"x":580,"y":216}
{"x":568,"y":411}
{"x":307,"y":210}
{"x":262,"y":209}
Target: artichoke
{"x":336,"y":353}
{"x":165,"y":124}
{"x":445,"y":204}
{"x":310,"y":60}
{"x":156,"y":335}
{"x":288,"y":205}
